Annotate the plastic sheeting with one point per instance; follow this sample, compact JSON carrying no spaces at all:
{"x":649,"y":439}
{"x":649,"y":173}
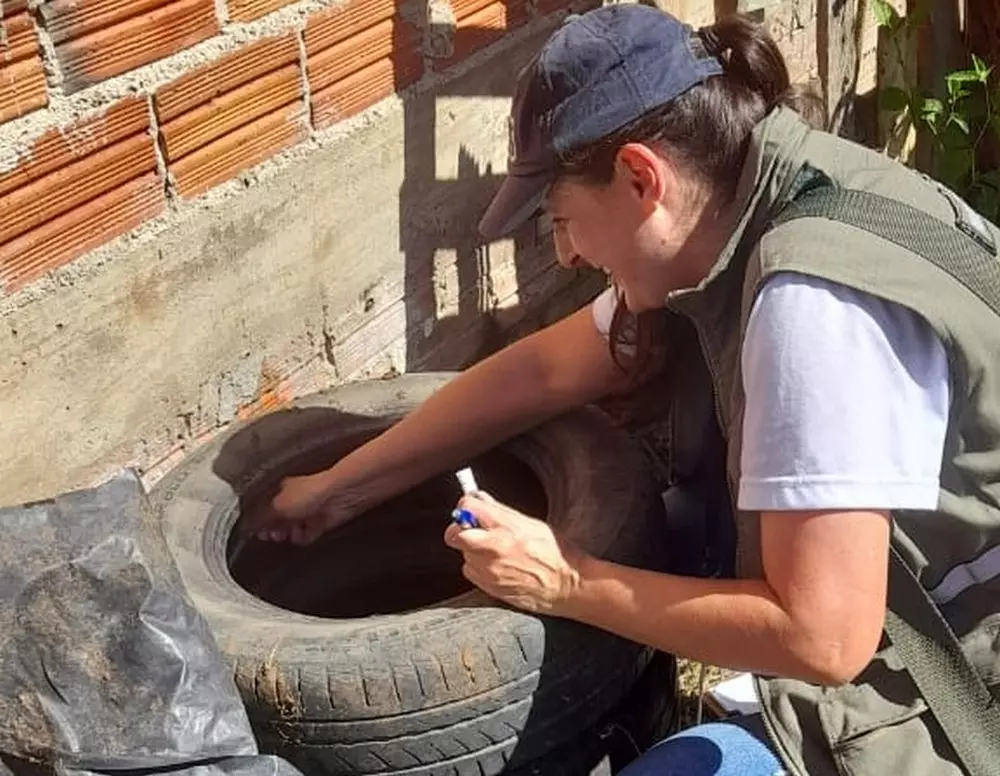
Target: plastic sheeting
{"x":105,"y":664}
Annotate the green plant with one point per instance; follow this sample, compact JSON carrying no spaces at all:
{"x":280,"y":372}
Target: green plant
{"x":959,"y":125}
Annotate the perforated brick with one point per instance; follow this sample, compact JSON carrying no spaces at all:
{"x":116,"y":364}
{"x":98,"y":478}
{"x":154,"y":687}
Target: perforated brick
{"x":22,"y":77}
{"x":99,"y":39}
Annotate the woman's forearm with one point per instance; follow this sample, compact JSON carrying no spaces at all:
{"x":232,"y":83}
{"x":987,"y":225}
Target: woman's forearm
{"x":517,"y":388}
{"x":475,"y":411}
{"x":734,"y":623}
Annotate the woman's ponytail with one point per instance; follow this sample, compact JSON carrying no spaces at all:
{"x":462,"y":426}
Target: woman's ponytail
{"x":750,"y":57}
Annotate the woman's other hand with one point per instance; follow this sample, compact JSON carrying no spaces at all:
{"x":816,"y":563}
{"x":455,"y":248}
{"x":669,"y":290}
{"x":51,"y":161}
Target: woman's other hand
{"x":515,"y":558}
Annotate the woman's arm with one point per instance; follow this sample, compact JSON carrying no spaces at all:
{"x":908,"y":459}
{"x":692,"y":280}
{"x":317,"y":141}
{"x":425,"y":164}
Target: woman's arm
{"x":548,"y":372}
{"x":560,"y":367}
{"x":817,"y":616}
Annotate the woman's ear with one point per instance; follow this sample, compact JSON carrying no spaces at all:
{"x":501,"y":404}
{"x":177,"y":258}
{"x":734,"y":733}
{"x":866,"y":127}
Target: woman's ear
{"x":645,"y":172}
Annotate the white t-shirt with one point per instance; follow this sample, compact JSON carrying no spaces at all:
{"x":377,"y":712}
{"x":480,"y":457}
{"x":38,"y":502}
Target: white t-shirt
{"x":847,"y":399}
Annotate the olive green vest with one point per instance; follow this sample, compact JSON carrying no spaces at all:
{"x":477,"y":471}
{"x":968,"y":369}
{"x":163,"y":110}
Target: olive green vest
{"x":879,"y":725}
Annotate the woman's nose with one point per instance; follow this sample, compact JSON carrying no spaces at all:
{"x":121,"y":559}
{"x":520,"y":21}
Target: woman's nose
{"x":566,"y":254}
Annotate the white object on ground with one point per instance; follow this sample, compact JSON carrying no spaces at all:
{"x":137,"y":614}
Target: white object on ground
{"x":736,"y":695}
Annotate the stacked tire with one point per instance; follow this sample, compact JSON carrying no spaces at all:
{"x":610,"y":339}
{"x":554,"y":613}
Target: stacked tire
{"x":462,"y":685}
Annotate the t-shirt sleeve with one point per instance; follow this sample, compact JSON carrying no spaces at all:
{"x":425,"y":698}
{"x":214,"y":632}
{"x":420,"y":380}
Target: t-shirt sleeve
{"x":603,"y":310}
{"x":847,"y":399}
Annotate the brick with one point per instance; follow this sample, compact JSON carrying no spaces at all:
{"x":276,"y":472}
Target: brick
{"x":22,"y":77}
{"x":82,"y":229}
{"x":62,"y":147}
{"x":66,"y":19}
{"x":49,"y":197}
{"x":484,"y":27}
{"x":136,"y":41}
{"x":358,"y":53}
{"x":465,"y":8}
{"x":389,"y":38}
{"x":201,"y":126}
{"x":224,"y":158}
{"x":22,"y":89}
{"x":340,"y":23}
{"x":249,"y":10}
{"x":228,"y":73}
{"x":228,"y":94}
{"x":18,"y":41}
{"x":11,"y":7}
{"x":363,"y":89}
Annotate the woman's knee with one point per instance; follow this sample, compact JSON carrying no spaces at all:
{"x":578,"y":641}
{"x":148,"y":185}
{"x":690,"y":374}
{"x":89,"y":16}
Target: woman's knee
{"x":712,"y":749}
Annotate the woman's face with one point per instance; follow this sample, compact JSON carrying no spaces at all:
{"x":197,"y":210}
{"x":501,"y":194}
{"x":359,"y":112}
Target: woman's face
{"x":635,"y":228}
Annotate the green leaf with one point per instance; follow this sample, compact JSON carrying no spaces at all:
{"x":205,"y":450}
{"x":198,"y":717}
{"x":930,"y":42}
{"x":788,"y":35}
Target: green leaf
{"x":982,"y":69}
{"x":961,"y":122}
{"x":957,"y":90}
{"x":929,"y":111}
{"x":893,"y":98}
{"x":885,"y":14}
{"x":963,"y":76}
{"x":930,"y":106}
{"x":959,"y":84}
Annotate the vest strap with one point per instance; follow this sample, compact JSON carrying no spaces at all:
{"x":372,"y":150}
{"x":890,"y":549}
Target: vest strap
{"x":955,"y":693}
{"x":952,"y":689}
{"x":950,"y":249}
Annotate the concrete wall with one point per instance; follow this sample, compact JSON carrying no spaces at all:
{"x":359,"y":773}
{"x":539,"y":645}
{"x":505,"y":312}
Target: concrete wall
{"x":208,"y":207}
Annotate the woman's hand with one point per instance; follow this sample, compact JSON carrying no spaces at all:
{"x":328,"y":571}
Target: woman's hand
{"x":304,"y":509}
{"x":515,"y":558}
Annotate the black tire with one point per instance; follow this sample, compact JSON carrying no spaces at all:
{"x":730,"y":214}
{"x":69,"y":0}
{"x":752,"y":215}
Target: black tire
{"x":454,"y":685}
{"x":645,"y":716}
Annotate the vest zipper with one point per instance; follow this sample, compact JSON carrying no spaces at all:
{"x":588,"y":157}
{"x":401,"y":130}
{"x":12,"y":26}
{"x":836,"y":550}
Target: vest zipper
{"x":775,"y":742}
{"x":717,"y":403}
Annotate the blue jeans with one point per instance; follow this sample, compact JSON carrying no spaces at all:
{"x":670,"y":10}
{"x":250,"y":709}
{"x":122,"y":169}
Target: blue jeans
{"x":735,"y":747}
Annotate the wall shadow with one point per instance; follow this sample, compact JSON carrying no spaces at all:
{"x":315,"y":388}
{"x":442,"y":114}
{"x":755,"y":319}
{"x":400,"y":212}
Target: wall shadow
{"x":452,"y":316}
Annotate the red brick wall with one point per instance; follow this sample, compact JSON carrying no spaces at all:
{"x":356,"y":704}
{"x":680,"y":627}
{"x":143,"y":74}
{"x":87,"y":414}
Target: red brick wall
{"x":118,"y":110}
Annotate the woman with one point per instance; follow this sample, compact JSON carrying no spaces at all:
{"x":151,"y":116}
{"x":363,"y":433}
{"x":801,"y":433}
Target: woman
{"x":854,"y":384}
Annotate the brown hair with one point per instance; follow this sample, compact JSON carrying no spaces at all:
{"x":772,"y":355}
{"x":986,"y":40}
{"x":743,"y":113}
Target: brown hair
{"x":706,"y":131}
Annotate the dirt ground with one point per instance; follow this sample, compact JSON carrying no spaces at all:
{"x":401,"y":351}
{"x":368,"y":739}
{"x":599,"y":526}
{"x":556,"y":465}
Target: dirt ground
{"x":688,"y":677}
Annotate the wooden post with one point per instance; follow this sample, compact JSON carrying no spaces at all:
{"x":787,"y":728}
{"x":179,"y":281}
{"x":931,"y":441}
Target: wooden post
{"x":982,"y":35}
{"x":982,"y":29}
{"x":838,"y":48}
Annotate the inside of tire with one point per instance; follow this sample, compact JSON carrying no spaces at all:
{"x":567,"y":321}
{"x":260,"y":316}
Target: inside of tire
{"x":389,"y":560}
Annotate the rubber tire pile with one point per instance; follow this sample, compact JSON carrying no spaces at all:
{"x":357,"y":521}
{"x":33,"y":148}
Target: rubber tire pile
{"x":463,"y":686}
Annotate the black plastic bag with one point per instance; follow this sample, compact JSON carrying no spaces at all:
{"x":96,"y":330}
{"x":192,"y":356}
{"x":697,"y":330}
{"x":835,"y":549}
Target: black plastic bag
{"x":104,"y":662}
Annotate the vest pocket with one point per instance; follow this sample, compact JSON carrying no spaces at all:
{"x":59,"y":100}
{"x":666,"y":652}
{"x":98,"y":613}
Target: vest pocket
{"x":869,"y":735}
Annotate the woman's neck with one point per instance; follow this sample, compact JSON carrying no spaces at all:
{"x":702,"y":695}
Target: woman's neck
{"x":714,"y":223}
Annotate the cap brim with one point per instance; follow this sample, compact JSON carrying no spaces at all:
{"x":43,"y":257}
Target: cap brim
{"x":519,"y":198}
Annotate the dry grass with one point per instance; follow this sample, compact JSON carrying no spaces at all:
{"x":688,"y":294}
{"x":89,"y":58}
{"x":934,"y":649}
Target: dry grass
{"x":689,"y":680}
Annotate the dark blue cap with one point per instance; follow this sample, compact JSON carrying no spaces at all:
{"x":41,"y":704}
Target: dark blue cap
{"x":598,"y":72}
